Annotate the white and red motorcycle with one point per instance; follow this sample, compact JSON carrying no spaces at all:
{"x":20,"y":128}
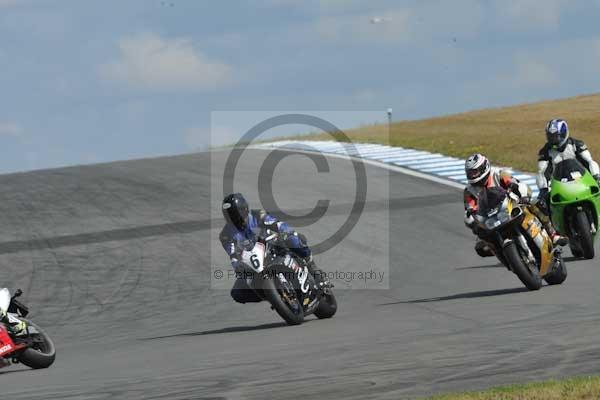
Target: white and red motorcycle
{"x":276,"y":276}
{"x":21,"y":340}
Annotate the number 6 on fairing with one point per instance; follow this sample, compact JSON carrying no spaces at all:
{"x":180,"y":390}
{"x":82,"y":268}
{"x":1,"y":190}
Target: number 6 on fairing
{"x":255,"y":258}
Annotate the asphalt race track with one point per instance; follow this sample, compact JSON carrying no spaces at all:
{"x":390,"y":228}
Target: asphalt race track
{"x":116,"y":262}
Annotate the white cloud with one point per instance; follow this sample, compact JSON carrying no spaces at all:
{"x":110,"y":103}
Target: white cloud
{"x":529,"y":14}
{"x":10,"y":129}
{"x":530,"y":72}
{"x":148,"y":61}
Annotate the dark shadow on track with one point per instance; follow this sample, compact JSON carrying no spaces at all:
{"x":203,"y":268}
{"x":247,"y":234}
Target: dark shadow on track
{"x":490,"y":266}
{"x":231,"y":329}
{"x":499,"y":265}
{"x":468,"y":295}
{"x":145,"y":231}
{"x":573,"y":259}
{"x":13,"y":371}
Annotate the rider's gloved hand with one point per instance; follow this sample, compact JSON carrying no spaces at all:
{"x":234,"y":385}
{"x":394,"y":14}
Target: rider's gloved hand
{"x":526,"y":200}
{"x":514,"y":188}
{"x":514,"y":196}
{"x":470,"y":221}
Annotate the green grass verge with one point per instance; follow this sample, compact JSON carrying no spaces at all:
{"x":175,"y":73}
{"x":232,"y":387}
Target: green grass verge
{"x":508,"y":136}
{"x":582,"y":388}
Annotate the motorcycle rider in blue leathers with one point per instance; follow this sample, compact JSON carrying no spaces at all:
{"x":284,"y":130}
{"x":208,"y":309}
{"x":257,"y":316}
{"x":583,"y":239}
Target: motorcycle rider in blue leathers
{"x":240,"y":233}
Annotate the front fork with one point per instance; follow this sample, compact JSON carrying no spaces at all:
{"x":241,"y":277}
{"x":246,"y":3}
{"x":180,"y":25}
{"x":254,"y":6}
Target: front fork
{"x":524,"y":246}
{"x":520,"y":241}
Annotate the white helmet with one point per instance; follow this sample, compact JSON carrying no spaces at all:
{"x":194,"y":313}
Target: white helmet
{"x":477,"y":169}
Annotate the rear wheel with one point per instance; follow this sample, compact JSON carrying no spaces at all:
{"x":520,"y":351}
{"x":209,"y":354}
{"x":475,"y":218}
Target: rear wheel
{"x":284,"y":300}
{"x":558,"y":274}
{"x":530,"y":277}
{"x":42,"y":353}
{"x":584,"y":234}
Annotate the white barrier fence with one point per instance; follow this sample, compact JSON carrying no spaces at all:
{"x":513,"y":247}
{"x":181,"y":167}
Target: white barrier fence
{"x":439,"y":165}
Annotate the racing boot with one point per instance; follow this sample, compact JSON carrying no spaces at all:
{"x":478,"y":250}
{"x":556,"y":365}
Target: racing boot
{"x":557,"y":239}
{"x":320,"y":277}
{"x":483,"y":249}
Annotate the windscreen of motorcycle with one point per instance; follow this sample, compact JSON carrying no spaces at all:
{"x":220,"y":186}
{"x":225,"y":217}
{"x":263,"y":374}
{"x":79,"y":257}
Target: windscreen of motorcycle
{"x":568,"y":171}
{"x":490,"y":200}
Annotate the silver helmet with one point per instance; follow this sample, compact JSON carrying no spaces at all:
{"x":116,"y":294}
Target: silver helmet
{"x":477,"y":169}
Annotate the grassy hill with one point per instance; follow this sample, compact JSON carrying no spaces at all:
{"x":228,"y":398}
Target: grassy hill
{"x":508,"y":135}
{"x":581,"y":388}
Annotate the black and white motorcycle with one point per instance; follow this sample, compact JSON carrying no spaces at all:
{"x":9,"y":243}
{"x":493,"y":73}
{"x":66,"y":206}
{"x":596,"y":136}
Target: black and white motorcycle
{"x":276,"y":276}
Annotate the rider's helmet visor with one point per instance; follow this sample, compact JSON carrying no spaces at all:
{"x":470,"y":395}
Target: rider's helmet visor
{"x":475,"y":173}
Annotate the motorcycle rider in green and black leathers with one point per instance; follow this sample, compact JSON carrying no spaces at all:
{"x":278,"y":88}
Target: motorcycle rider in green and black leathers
{"x":559,"y":147}
{"x":243,"y":227}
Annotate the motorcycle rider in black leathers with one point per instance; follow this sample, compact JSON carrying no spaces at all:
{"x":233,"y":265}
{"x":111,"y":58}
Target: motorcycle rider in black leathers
{"x":559,"y":147}
{"x":240,"y":233}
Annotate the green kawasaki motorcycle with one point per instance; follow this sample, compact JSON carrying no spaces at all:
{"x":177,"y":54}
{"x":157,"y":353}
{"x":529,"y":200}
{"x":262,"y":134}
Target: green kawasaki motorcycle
{"x":575,"y":206}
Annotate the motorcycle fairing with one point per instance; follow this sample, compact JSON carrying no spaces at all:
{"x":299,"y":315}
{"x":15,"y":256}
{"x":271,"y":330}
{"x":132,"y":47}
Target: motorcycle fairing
{"x":541,"y":238}
{"x":7,"y":346}
{"x":302,"y":281}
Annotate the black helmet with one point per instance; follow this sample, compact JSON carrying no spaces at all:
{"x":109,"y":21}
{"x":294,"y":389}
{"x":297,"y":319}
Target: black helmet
{"x":557,"y":133}
{"x":235,"y":210}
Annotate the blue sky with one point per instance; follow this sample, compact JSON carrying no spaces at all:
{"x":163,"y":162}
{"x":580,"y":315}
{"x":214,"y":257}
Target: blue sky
{"x":92,"y":81}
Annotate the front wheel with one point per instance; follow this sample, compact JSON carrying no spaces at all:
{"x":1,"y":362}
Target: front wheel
{"x":584,"y":234}
{"x":284,"y":300}
{"x":42,"y":352}
{"x":531,"y":279}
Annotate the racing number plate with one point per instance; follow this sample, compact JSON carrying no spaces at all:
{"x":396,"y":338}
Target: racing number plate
{"x":255,"y":258}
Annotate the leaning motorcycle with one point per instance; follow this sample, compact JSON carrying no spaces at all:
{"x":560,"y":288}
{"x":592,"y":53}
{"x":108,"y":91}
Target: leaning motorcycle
{"x":277,"y":276}
{"x":575,"y":206}
{"x":519,"y":240}
{"x":30,"y":345}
